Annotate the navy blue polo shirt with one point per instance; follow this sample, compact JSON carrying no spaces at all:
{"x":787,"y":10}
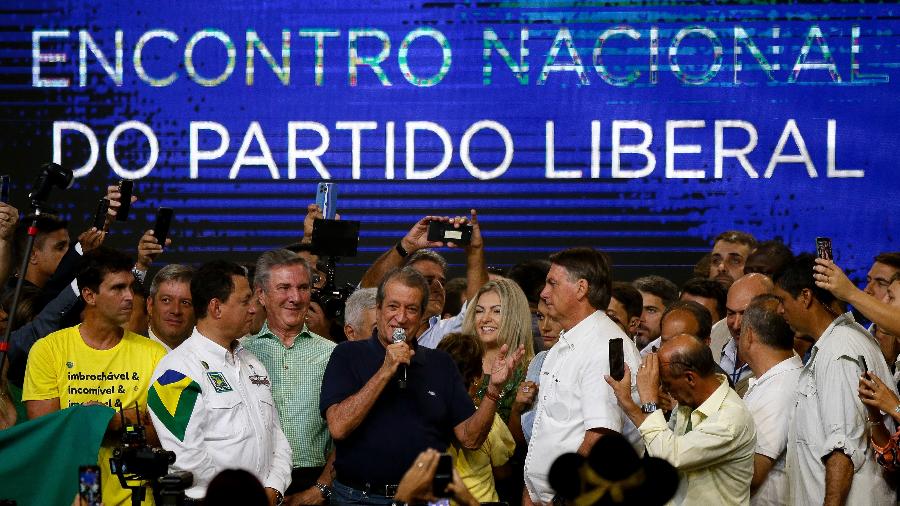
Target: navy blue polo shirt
{"x":401,"y":423}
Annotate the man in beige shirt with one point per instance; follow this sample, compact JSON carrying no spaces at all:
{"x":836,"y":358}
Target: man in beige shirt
{"x":710,"y":437}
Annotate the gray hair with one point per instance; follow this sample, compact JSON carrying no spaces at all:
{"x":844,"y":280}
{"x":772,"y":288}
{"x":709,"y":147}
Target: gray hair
{"x":171,"y":272}
{"x":429,"y":255}
{"x":408,"y":277}
{"x":361,"y":300}
{"x":762,"y":317}
{"x":276,"y":258}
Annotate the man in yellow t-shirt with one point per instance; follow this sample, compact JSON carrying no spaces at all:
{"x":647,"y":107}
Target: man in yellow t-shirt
{"x":97,"y":361}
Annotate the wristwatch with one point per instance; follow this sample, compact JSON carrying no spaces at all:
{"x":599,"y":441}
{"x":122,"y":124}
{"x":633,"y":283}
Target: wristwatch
{"x":279,"y":497}
{"x":648,"y":407}
{"x":324,"y":489}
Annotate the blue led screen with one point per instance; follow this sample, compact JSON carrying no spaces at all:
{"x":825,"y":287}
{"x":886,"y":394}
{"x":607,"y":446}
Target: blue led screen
{"x":641,"y":128}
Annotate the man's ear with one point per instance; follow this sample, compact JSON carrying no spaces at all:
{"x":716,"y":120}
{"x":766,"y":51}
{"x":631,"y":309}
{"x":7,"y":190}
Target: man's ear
{"x":214,"y":309}
{"x":633,"y":323}
{"x":90,"y":298}
{"x":259,"y":296}
{"x":805,"y":297}
{"x":581,"y":291}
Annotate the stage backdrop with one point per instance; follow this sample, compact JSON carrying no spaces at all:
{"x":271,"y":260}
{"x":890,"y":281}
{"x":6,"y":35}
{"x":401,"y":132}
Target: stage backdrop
{"x":639,"y":127}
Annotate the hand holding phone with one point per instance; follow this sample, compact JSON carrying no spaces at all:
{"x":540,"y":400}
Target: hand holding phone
{"x":326,"y":199}
{"x":445,"y":232}
{"x":126,"y":188}
{"x":163,"y":222}
{"x":616,"y":359}
{"x":100,"y":215}
{"x":443,"y":475}
{"x":823,"y":248}
{"x":861,"y":360}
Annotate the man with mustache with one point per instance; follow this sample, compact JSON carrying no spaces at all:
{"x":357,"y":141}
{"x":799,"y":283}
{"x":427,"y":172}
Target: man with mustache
{"x":97,"y":362}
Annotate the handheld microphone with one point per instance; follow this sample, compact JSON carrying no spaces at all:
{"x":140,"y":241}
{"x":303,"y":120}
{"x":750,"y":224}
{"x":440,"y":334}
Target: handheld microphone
{"x":399,"y":336}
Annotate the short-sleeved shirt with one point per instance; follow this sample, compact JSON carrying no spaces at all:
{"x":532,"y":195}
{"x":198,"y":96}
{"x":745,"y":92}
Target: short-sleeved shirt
{"x":533,"y":374}
{"x":296,"y":375}
{"x":62,"y":365}
{"x":574,"y":398}
{"x":768,"y":399}
{"x":475,"y":467}
{"x":828,"y":416}
{"x":402,"y":422}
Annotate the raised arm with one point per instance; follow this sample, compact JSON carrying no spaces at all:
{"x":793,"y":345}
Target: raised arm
{"x":345,"y":416}
{"x":830,"y":277}
{"x":414,"y":240}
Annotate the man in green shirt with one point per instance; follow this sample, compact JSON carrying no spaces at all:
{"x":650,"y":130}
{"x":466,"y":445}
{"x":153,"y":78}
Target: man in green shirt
{"x":296,"y":360}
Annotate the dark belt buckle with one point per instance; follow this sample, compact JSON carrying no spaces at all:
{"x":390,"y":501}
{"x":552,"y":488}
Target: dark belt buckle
{"x":390,"y":490}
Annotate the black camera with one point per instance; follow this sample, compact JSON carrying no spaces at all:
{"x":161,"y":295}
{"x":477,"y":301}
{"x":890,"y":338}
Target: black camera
{"x":137,"y":464}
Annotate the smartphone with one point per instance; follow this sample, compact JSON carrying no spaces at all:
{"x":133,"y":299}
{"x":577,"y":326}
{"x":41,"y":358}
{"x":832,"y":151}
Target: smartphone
{"x":862,"y":364}
{"x":4,"y":189}
{"x":616,"y":359}
{"x":126,"y":188}
{"x":442,"y":231}
{"x":100,"y":215}
{"x":823,"y":248}
{"x":443,"y":475}
{"x":89,"y":485}
{"x":163,"y":221}
{"x":326,"y":199}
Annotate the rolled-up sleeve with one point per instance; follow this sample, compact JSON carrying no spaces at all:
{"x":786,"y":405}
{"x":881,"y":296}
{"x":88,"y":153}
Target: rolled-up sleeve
{"x":842,"y":414}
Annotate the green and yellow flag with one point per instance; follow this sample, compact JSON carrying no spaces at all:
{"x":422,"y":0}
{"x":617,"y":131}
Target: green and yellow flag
{"x":171,"y":398}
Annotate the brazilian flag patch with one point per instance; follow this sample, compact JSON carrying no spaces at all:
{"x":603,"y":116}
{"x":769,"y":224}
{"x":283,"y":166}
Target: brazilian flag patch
{"x":172,"y":397}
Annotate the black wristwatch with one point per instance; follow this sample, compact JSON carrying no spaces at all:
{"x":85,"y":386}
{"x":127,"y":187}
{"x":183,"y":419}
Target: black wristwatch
{"x":324,"y":489}
{"x":279,"y":497}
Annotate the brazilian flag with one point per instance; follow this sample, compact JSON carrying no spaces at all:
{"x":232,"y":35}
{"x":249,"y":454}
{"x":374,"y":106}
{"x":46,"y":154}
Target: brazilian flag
{"x":172,"y":397}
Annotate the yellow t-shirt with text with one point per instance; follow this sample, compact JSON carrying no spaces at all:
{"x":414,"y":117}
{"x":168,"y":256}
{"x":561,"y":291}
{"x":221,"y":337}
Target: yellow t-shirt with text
{"x":62,"y":365}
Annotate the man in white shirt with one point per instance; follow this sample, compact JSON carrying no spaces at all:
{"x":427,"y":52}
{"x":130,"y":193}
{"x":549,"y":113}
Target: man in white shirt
{"x":710,"y":436}
{"x":574,"y":407}
{"x":767,"y":343}
{"x":829,"y":457}
{"x":170,"y":307}
{"x":211,"y":401}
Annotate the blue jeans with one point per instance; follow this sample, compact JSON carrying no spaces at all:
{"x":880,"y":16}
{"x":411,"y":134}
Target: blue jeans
{"x":342,"y":494}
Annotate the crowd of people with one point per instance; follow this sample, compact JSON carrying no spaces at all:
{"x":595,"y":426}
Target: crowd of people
{"x":752,"y":383}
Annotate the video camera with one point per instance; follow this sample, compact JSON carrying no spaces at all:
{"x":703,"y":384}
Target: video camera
{"x":137,"y":465}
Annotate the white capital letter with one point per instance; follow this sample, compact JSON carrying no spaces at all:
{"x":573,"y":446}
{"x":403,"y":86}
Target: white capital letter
{"x":641,"y":149}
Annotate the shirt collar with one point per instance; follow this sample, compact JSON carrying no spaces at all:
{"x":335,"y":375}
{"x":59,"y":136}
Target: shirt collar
{"x":844,"y":319}
{"x":579,"y":330}
{"x":714,"y":402}
{"x":208,"y":347}
{"x":266,"y":332}
{"x":788,"y":364}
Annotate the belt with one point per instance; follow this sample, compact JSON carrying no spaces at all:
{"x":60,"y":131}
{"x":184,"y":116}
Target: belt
{"x":383,"y":489}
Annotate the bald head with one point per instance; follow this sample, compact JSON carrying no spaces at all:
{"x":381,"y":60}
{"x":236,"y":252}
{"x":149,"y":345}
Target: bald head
{"x":739,"y":296}
{"x":685,"y":353}
{"x":687,"y":370}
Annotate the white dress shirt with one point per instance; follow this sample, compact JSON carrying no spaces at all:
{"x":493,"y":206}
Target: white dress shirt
{"x":719,"y":336}
{"x":233,"y":423}
{"x":711,"y":446}
{"x":574,"y":398}
{"x":828,"y":416}
{"x":769,"y":398}
{"x":154,"y":337}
